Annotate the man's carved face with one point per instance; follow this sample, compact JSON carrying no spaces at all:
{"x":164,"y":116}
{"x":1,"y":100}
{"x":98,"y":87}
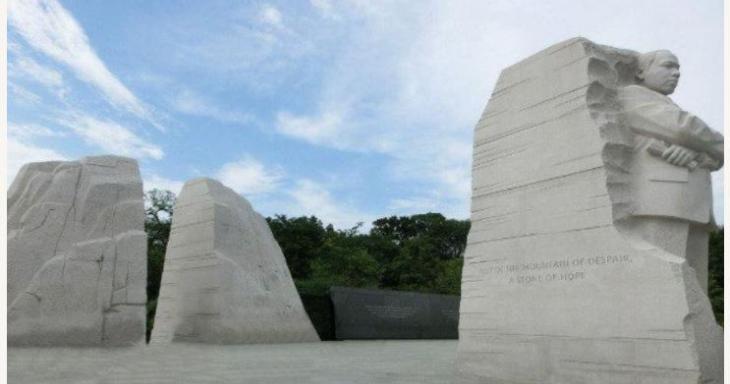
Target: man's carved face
{"x":662,"y":75}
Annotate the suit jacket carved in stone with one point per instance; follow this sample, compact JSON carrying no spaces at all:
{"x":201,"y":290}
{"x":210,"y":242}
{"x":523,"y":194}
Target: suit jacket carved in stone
{"x":663,"y":189}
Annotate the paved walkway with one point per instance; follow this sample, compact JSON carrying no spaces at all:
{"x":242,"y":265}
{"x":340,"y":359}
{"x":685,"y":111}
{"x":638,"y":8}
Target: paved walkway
{"x":344,"y":362}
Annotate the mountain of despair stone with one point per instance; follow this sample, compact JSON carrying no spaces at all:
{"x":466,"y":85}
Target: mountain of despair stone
{"x":77,"y":254}
{"x":225,"y":279}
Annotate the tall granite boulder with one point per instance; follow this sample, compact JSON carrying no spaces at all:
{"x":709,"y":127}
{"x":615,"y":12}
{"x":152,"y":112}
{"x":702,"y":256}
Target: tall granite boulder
{"x":225,"y":279}
{"x":587,"y":256}
{"x":77,"y":254}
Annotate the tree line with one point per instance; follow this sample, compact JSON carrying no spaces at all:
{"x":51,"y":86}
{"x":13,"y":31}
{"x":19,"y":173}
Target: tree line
{"x":415,"y":253}
{"x":421,"y":252}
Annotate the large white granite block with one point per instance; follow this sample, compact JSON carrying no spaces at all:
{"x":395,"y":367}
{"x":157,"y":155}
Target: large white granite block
{"x":225,"y":278}
{"x":585,"y":263}
{"x":77,"y":254}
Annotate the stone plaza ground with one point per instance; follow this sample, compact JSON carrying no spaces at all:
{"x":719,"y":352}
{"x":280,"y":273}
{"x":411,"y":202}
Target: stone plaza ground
{"x":337,"y":362}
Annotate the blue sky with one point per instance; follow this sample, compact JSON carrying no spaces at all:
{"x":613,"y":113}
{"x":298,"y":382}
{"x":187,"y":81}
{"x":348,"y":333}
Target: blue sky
{"x":350,"y":110}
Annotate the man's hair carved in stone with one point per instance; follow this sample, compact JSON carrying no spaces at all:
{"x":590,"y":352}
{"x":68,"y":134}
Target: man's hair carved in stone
{"x":658,"y":71}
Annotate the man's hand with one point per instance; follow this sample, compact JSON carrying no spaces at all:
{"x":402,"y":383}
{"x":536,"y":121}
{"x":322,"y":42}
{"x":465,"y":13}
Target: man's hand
{"x":678,"y":155}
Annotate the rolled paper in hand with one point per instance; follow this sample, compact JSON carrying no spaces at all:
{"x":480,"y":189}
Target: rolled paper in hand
{"x":657,"y":148}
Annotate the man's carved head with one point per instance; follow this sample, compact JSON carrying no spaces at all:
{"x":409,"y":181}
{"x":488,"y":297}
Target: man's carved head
{"x":659,"y":71}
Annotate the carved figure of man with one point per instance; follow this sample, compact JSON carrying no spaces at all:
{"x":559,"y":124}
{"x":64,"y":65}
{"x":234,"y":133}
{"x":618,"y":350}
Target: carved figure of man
{"x":675,"y":152}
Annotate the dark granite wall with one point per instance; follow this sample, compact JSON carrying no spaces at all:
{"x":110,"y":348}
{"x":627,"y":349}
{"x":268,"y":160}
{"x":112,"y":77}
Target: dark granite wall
{"x":382,"y":314}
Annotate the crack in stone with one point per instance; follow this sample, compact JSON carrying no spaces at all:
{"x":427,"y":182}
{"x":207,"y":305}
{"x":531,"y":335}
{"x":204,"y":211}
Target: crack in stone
{"x":65,"y":220}
{"x":114,"y":267}
{"x":45,"y":217}
{"x":37,"y":297}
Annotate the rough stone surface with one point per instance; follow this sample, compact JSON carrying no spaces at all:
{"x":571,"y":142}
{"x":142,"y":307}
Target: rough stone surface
{"x":225,"y":278}
{"x":382,"y":314}
{"x":580,"y":267}
{"x":77,"y":254}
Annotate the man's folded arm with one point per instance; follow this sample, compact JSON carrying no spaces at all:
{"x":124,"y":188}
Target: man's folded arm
{"x":670,"y":123}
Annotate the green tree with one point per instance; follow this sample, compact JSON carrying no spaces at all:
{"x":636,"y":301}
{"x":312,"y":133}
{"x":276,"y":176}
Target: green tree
{"x":449,"y":280}
{"x":415,"y":268}
{"x":417,"y":252}
{"x":301,"y":240}
{"x":342,"y":260}
{"x":345,"y":266}
{"x":158,"y":222}
{"x":716,"y":273}
{"x":448,"y":236}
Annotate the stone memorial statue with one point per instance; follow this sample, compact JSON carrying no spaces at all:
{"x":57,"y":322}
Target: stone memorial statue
{"x":586,"y":260}
{"x":675,"y":153}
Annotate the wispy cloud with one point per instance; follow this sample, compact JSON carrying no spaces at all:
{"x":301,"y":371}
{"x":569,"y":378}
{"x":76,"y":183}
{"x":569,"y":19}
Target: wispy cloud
{"x":21,"y":152}
{"x":49,"y":28}
{"x":430,"y":201}
{"x":155,"y":181}
{"x":414,"y":204}
{"x":271,"y":192}
{"x":193,"y":104}
{"x":22,"y":149}
{"x":271,"y":15}
{"x":249,"y":176}
{"x":409,"y":86}
{"x":312,"y":198}
{"x":21,"y":94}
{"x":321,"y":129}
{"x":27,"y":67}
{"x":111,"y":136}
{"x":418,"y":152}
{"x":325,"y":8}
{"x":28,"y":131}
{"x":255,"y":46}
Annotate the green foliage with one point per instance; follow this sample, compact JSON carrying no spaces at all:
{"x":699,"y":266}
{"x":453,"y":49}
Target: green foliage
{"x":158,"y":222}
{"x":415,"y":268}
{"x":300,"y":239}
{"x":349,"y":266}
{"x":341,"y":259}
{"x":449,"y":280}
{"x":716,"y":273}
{"x":420,"y":252}
{"x":446,"y":236}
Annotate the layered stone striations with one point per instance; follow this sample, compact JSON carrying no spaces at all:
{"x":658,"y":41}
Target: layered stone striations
{"x":77,"y":254}
{"x":555,"y":286}
{"x":225,"y":279}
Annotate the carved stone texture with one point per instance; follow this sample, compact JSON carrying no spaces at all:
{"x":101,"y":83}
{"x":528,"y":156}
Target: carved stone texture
{"x":77,"y":254}
{"x":564,"y":281}
{"x":225,"y":279}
